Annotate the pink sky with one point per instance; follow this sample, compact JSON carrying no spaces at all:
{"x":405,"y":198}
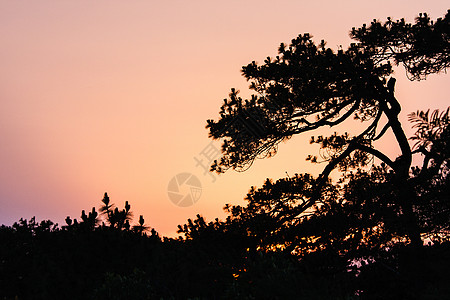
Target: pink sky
{"x":113,"y":96}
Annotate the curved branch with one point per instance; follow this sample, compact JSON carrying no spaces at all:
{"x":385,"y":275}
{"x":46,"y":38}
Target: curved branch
{"x":372,"y":126}
{"x":382,"y":132}
{"x":377,"y":154}
{"x":345,"y":116}
{"x":325,"y":121}
{"x":323,"y":177}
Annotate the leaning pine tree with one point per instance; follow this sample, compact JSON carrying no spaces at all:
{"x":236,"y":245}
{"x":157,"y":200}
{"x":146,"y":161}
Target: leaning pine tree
{"x":308,"y":87}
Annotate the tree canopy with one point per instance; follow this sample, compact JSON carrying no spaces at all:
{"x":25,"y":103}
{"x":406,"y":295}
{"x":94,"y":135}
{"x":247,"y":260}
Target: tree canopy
{"x":309,"y":86}
{"x":422,"y":48}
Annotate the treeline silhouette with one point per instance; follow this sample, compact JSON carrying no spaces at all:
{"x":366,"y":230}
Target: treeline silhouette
{"x":91,"y":259}
{"x":382,"y":231}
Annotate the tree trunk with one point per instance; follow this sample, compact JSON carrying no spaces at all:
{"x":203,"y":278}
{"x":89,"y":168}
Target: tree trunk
{"x":391,"y":107}
{"x":406,"y":200}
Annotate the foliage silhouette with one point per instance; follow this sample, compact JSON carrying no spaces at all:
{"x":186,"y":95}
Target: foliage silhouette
{"x":43,"y":261}
{"x":422,"y":48}
{"x":308,"y":86}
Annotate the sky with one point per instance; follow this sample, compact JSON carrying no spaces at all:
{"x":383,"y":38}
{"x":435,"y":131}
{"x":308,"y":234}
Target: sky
{"x":113,"y":96}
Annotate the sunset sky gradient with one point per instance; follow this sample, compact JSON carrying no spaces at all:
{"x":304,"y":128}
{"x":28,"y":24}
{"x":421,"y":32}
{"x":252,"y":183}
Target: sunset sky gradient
{"x":113,"y":96}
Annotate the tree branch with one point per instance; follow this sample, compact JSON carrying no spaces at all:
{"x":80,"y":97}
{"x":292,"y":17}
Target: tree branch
{"x":323,"y":177}
{"x":387,"y":96}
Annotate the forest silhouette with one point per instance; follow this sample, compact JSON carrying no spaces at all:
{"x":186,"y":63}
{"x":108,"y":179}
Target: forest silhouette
{"x":382,"y":231}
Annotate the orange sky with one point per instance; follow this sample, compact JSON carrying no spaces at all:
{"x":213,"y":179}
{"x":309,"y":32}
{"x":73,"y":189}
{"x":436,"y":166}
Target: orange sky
{"x":114,"y":95}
